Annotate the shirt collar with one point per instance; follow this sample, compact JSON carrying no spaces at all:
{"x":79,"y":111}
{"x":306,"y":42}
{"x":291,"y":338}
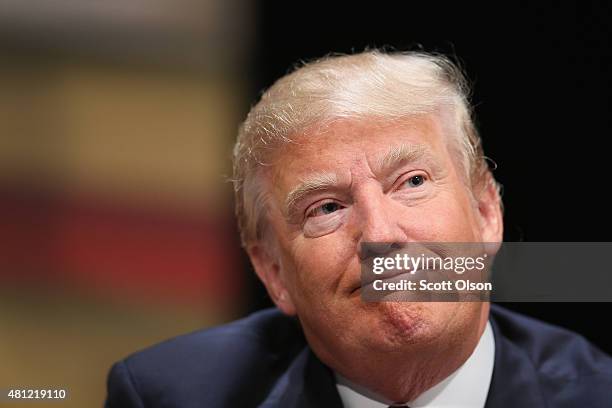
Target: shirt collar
{"x":467,"y":387}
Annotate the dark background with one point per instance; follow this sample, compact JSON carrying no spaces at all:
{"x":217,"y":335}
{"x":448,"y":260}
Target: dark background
{"x":541,"y":82}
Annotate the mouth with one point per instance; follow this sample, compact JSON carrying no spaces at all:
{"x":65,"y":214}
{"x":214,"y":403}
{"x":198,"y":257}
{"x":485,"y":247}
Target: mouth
{"x":394,"y":275}
{"x":400,"y":269}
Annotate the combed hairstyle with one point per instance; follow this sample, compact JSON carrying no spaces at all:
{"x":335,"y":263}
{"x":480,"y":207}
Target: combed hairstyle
{"x":369,"y":85}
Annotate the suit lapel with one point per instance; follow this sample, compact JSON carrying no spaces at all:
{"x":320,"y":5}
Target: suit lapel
{"x":307,"y":383}
{"x":515,"y":380}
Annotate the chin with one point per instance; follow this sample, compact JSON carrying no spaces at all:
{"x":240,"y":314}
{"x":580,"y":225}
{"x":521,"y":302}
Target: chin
{"x":416,"y":323}
{"x":403,"y":323}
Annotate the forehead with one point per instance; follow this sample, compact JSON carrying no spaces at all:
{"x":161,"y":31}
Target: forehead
{"x":346,"y":141}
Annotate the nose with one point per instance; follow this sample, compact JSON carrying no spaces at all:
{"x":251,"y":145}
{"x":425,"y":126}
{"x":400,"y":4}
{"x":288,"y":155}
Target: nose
{"x":379,"y":224}
{"x":369,"y":250}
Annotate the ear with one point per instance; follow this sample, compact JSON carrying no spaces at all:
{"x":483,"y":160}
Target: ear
{"x":270,"y":272}
{"x":490,"y":212}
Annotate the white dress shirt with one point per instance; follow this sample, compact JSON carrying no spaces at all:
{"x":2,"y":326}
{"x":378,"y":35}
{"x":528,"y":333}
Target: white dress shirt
{"x":467,"y":386}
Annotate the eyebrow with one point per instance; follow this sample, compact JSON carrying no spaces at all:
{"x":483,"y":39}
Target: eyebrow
{"x":315,"y":182}
{"x":401,"y":154}
{"x":395,"y":156}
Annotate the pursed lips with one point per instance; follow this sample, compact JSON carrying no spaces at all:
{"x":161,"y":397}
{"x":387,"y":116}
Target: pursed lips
{"x":367,"y":276}
{"x":388,"y":275}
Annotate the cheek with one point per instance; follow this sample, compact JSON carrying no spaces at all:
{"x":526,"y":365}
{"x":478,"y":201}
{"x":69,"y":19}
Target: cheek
{"x":448,"y":218}
{"x":320,"y":263}
{"x":461,"y":223}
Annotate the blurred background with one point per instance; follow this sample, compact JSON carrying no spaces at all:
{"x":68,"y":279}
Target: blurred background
{"x":117,"y":120}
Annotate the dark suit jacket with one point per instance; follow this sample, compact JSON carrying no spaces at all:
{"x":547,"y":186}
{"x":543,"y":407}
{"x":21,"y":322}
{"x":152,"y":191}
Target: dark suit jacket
{"x":264,"y":361}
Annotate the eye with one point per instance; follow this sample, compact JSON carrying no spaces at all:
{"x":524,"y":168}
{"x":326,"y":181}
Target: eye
{"x":324,"y":209}
{"x":415,"y":181}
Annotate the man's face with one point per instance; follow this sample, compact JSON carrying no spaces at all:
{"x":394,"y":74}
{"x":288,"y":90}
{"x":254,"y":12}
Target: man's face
{"x":367,"y":181}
